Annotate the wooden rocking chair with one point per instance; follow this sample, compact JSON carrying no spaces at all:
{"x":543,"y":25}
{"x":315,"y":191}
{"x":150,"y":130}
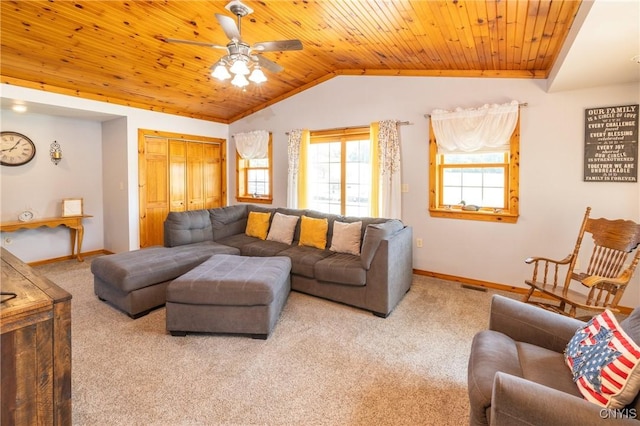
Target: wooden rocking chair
{"x":606,"y":276}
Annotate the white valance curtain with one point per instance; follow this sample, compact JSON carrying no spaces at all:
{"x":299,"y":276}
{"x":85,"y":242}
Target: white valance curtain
{"x":252,"y":145}
{"x":388,"y":147}
{"x":487,"y":128}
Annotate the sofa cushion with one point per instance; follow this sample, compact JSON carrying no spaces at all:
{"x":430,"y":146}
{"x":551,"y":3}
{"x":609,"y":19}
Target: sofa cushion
{"x":227,"y":221}
{"x":372,"y":237}
{"x":604,"y":361}
{"x":304,"y":258}
{"x":188,"y":227}
{"x":263,"y":248}
{"x":346,"y":237}
{"x":282,"y":228}
{"x":313,"y":232}
{"x":341,"y":268}
{"x":238,"y":240}
{"x":136,"y":269}
{"x":258,"y":225}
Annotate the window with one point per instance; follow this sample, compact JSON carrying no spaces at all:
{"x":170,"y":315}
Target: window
{"x":255,"y":178}
{"x":460,"y":182}
{"x":339,"y":172}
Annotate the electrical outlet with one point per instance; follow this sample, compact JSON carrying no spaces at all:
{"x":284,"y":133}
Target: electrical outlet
{"x":418,"y":242}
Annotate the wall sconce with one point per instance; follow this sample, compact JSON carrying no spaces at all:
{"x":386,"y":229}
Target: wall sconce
{"x":55,"y":152}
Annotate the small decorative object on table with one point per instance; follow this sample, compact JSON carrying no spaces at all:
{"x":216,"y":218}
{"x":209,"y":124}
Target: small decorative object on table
{"x":72,"y":207}
{"x":26,"y":216}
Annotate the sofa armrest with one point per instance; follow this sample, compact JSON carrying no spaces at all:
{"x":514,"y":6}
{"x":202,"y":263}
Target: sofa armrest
{"x":531,"y":324}
{"x":373,"y":235}
{"x":391,"y":272}
{"x":517,"y":401}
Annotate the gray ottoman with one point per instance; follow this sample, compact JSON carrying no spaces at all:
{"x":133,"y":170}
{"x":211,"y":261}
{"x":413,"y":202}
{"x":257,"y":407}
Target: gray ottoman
{"x":229,"y":294}
{"x":136,"y":281}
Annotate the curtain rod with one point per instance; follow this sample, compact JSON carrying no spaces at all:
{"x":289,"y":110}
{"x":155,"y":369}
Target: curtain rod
{"x":523,"y":104}
{"x":401,"y":123}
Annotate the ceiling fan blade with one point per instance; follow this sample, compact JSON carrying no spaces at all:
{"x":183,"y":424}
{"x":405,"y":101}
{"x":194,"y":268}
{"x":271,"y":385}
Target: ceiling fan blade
{"x":281,"y":46}
{"x":196,"y":43}
{"x":268,"y":64}
{"x":229,"y":26}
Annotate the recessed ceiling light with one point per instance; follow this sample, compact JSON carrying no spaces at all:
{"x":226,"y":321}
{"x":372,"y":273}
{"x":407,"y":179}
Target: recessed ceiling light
{"x":19,"y":108}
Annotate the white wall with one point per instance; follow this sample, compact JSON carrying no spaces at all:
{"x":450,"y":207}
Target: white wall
{"x":113,"y":177}
{"x":115,"y":184}
{"x":40,"y":185}
{"x":553,"y":196}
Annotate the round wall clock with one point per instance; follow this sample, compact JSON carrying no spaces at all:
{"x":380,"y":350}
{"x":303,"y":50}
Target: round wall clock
{"x":16,"y":149}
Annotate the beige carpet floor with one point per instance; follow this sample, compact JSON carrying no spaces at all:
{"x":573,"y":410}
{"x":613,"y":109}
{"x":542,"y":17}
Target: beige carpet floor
{"x":324,"y":364}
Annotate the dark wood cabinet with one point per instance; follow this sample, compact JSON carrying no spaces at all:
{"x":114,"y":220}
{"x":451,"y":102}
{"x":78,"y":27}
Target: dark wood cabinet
{"x":35,"y":333}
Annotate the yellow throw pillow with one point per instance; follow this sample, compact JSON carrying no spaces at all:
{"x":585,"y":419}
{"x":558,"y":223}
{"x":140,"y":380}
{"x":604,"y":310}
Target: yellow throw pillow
{"x":313,"y":232}
{"x":258,"y":224}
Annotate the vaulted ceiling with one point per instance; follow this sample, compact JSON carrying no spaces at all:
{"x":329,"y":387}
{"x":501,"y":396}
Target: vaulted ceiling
{"x":116,"y":51}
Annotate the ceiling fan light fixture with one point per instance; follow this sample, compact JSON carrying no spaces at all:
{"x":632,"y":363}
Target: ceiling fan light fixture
{"x":257,"y":76}
{"x":220,"y":72}
{"x":239,"y":67}
{"x":243,"y":62}
{"x":240,"y":80}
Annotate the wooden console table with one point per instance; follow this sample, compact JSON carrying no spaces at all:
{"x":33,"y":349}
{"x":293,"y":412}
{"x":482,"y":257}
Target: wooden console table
{"x":74,"y":223}
{"x":35,"y":340}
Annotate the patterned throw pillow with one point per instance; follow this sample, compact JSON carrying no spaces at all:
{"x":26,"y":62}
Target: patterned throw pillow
{"x":258,"y":225}
{"x":604,"y":362}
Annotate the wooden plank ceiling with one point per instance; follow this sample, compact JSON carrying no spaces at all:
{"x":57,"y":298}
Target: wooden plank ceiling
{"x":115,"y":51}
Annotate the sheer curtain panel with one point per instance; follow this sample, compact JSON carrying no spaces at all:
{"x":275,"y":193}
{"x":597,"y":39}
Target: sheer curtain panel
{"x":388,"y":159}
{"x":297,"y":171}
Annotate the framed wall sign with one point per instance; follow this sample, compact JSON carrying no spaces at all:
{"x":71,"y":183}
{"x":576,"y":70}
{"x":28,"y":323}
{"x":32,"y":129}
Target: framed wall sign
{"x":72,"y":207}
{"x":611,"y":144}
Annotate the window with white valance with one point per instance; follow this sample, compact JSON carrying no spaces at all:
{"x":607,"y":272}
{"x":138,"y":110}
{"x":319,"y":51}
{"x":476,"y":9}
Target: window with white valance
{"x":474,"y":163}
{"x":254,"y":166}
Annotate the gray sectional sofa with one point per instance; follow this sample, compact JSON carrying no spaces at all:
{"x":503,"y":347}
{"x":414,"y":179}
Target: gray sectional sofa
{"x":375,"y":280}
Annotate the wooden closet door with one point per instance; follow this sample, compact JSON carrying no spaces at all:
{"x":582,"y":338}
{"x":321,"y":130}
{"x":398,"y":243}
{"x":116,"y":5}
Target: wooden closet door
{"x":177,"y":175}
{"x":154,"y":201}
{"x":212,"y":172}
{"x":195,"y":179}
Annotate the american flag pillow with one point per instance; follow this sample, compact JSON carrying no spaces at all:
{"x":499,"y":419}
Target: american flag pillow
{"x":604,"y":361}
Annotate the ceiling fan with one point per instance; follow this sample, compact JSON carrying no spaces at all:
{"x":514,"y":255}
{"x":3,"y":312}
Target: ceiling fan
{"x":241,"y":58}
